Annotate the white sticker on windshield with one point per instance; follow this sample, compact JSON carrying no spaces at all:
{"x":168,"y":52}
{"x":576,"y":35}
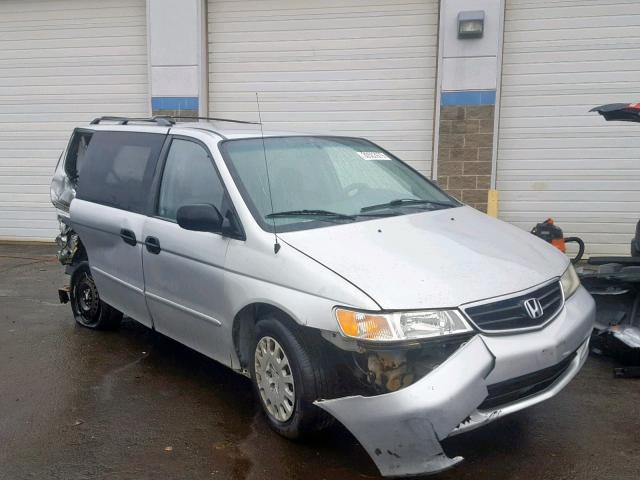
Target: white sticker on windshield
{"x":373,"y":156}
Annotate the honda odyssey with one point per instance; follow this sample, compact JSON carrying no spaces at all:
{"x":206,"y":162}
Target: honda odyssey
{"x":344,"y":283}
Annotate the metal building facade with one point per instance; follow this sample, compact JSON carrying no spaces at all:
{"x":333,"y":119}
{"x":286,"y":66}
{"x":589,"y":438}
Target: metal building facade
{"x":62,"y":63}
{"x":560,"y":59}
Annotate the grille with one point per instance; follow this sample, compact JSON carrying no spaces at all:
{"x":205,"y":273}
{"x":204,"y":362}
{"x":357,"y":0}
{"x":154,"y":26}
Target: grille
{"x":510,"y":314}
{"x":525,"y":386}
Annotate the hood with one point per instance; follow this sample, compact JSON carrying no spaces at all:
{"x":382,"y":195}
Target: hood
{"x":626,"y":112}
{"x":435,"y":259}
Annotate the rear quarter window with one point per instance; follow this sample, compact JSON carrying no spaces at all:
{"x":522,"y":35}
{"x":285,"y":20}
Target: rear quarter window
{"x":76,"y":153}
{"x":118,"y":169}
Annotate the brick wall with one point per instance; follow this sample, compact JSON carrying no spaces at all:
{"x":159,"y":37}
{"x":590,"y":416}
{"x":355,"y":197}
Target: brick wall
{"x":464,"y":155}
{"x":174,"y":113}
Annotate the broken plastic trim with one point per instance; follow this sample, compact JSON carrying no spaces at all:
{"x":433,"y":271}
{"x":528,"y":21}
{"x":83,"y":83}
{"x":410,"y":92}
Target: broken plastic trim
{"x":402,"y":430}
{"x":483,"y":417}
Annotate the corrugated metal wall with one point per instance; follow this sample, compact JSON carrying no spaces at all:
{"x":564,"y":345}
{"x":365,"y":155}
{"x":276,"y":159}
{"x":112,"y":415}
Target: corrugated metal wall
{"x":350,"y":67}
{"x":561,"y":58}
{"x":62,"y":63}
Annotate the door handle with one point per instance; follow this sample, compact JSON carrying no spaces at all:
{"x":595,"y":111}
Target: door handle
{"x":128,"y":236}
{"x":152,"y":244}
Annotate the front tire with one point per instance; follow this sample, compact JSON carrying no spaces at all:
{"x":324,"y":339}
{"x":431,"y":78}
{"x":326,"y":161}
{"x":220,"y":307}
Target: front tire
{"x":88,"y":309}
{"x":289,"y":374}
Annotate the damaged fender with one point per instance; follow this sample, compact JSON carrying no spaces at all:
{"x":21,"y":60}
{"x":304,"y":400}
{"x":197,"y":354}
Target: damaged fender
{"x":402,"y":430}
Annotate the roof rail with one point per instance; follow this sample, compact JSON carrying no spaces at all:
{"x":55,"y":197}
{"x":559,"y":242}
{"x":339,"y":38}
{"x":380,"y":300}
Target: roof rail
{"x":211,"y":118}
{"x":161,"y":121}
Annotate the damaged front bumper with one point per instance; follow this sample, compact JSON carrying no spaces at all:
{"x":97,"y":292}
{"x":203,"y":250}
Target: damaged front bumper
{"x":402,"y":430}
{"x":483,"y":417}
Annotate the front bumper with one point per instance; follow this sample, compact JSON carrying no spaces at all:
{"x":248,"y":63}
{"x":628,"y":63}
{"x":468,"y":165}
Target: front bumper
{"x":402,"y":430}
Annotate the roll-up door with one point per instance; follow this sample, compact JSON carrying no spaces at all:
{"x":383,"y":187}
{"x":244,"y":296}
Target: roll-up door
{"x":62,"y":63}
{"x":561,"y":58}
{"x":350,"y":67}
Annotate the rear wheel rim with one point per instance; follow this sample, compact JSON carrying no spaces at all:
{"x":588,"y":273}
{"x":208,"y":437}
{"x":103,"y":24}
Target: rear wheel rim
{"x":87,"y":300}
{"x":274,"y":378}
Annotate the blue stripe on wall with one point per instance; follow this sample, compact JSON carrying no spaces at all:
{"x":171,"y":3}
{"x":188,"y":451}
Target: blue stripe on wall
{"x":468,"y":97}
{"x":174,"y":103}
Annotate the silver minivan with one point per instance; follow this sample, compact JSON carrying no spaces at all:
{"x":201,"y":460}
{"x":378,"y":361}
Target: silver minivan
{"x":345,"y":284}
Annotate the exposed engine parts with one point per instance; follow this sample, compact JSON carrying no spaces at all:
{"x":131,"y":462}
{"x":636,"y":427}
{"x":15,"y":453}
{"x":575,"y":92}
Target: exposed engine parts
{"x":390,"y":370}
{"x":375,"y":371}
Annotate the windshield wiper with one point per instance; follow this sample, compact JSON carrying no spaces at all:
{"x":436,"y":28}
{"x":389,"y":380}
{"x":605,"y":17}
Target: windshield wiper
{"x":311,"y":213}
{"x":405,"y":201}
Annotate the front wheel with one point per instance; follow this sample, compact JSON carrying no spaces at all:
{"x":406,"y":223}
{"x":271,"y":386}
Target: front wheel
{"x":88,"y":309}
{"x":288,"y":376}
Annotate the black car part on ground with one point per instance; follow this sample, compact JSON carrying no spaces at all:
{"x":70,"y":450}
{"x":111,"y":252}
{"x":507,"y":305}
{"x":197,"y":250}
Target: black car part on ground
{"x":627,"y":372}
{"x":616,"y":289}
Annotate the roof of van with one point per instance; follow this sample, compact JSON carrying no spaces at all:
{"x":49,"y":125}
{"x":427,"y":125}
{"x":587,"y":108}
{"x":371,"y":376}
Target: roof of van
{"x":226,"y":129}
{"x":236,"y":131}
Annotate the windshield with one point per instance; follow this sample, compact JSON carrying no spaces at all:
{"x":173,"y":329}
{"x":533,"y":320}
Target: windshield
{"x":317,"y":181}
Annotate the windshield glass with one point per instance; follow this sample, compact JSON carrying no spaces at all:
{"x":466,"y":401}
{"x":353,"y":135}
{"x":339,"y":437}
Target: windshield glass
{"x":316,"y":181}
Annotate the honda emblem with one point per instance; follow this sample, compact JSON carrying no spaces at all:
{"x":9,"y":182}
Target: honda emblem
{"x":533,"y":308}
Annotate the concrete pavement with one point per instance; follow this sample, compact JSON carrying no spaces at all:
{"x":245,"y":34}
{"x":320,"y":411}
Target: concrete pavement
{"x":131,"y":404}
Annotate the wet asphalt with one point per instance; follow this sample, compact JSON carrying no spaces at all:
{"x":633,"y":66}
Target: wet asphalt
{"x":132,"y":404}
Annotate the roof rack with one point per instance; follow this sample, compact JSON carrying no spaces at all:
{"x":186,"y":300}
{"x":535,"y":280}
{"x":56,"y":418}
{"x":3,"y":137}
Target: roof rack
{"x":211,"y":118}
{"x":162,"y":121}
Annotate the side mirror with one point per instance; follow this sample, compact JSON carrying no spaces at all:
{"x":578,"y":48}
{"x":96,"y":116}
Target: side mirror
{"x":200,"y":218}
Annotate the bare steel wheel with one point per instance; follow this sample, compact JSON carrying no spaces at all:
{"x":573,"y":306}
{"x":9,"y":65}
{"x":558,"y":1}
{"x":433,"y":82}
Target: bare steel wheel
{"x":274,"y":379}
{"x":87,"y":299}
{"x":88,"y":309}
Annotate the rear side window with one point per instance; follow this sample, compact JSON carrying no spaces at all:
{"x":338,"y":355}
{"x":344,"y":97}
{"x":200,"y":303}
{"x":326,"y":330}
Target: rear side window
{"x":76,"y":153}
{"x":118,"y":169}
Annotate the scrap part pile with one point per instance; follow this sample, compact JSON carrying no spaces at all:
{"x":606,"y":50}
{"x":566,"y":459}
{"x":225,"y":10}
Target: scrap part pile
{"x":615,"y":285}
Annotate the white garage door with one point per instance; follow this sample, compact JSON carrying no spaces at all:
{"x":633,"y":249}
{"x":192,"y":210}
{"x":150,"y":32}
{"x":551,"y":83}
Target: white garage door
{"x":561,"y":58}
{"x":62,"y":63}
{"x":350,"y":67}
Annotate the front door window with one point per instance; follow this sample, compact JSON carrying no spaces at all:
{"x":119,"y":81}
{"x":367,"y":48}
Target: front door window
{"x":189,"y":178}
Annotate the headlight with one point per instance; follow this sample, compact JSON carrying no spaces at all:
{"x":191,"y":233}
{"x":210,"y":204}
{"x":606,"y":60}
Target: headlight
{"x":569,"y":281}
{"x":384,"y":327}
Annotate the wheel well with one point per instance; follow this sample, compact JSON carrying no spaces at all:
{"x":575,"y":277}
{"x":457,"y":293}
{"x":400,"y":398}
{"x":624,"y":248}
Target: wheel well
{"x":244,"y":327}
{"x":81,"y":253}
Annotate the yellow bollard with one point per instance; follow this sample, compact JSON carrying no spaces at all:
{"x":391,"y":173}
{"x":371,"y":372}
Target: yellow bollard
{"x":492,"y":203}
